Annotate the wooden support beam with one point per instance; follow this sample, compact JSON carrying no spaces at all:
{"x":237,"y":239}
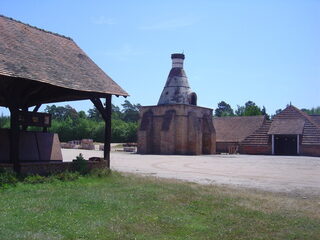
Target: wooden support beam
{"x":106,"y":115}
{"x":14,"y":138}
{"x":98,"y":104}
{"x":36,"y":108}
{"x":107,"y":134}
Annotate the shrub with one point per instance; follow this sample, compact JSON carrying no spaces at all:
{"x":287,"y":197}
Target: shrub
{"x":66,"y":176}
{"x":33,"y":179}
{"x":80,"y":164}
{"x":7,"y":177}
{"x":100,"y":172}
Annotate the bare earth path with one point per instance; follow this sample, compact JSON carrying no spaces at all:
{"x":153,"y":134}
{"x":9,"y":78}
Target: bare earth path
{"x":290,"y":174}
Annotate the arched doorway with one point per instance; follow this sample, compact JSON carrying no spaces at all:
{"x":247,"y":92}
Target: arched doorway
{"x":193,"y":99}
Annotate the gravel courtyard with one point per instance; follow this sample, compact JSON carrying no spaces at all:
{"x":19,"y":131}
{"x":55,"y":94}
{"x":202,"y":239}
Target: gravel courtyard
{"x":290,"y":174}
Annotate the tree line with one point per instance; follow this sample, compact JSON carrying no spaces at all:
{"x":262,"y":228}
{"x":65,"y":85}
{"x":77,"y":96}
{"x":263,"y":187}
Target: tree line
{"x":248,"y":109}
{"x":251,"y":109}
{"x":71,"y":124}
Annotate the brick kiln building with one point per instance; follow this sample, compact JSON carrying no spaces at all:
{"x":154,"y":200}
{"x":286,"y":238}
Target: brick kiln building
{"x":291,"y":132}
{"x":176,"y":125}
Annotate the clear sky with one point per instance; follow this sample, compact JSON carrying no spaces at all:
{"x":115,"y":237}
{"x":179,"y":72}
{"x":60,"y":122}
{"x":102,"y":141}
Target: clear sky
{"x":264,"y":51}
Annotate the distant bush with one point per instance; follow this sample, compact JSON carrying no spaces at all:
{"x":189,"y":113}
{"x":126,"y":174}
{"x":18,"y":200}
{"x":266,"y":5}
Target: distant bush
{"x":10,"y":178}
{"x":100,"y":172}
{"x":7,"y":177}
{"x":66,"y":176}
{"x":33,"y":179}
{"x":80,"y":165}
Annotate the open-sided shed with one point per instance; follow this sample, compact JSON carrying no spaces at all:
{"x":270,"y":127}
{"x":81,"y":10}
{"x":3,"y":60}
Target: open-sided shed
{"x":38,"y":67}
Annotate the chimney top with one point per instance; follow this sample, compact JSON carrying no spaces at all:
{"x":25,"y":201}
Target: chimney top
{"x":177,"y":55}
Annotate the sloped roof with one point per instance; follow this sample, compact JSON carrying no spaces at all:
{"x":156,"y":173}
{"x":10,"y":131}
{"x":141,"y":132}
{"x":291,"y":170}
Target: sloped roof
{"x":291,"y":119}
{"x":260,"y":136}
{"x":311,"y":130}
{"x":28,"y":53}
{"x":236,"y":129}
{"x":287,"y":126}
{"x":315,"y":118}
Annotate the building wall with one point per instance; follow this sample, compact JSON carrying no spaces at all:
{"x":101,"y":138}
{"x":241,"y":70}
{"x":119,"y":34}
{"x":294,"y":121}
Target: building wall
{"x":306,"y":150}
{"x":224,"y":147}
{"x":256,"y":149}
{"x":176,"y":129}
{"x":310,"y":150}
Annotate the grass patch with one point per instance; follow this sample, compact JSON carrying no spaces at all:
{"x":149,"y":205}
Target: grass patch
{"x":112,"y":206}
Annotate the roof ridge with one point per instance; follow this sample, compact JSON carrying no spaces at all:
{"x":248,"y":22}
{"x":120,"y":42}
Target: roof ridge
{"x":307,"y":116}
{"x":40,"y":29}
{"x":238,"y":116}
{"x":302,"y":114}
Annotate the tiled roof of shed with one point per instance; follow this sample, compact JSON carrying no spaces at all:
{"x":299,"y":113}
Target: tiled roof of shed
{"x":30,"y":53}
{"x":311,"y":131}
{"x":260,"y":136}
{"x":287,"y":126}
{"x":236,"y":129}
{"x":315,"y":118}
{"x":291,"y":120}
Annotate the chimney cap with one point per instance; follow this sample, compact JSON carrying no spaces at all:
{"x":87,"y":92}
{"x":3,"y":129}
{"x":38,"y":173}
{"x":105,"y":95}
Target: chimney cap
{"x":177,"y":55}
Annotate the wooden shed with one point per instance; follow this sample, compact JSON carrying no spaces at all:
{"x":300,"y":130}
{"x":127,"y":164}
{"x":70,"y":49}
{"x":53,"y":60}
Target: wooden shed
{"x":291,"y":132}
{"x":38,"y":67}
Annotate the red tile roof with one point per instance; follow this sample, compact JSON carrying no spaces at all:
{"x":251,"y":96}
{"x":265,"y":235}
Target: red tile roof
{"x":236,"y":129}
{"x":287,"y":126}
{"x":289,"y":121}
{"x":260,"y":136}
{"x":29,"y":53}
{"x":316,"y":119}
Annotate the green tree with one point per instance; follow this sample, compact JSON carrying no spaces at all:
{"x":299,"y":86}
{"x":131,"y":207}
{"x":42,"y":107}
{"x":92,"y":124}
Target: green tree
{"x":73,"y":125}
{"x":62,"y":113}
{"x":264,"y":112}
{"x":4,"y":121}
{"x":94,"y":114}
{"x":249,"y":109}
{"x":224,"y":109}
{"x":240,"y":110}
{"x":130,"y":111}
{"x":314,"y":111}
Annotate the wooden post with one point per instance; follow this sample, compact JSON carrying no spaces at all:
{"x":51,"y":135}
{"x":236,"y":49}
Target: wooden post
{"x":106,"y":115}
{"x":107,"y":134}
{"x":14,"y":138}
{"x":298,"y":144}
{"x":272,"y":143}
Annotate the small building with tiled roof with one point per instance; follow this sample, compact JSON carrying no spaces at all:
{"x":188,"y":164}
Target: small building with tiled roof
{"x":291,"y":132}
{"x":38,"y":67}
{"x":230,"y":131}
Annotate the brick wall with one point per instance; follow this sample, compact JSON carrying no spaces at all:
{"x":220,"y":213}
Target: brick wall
{"x":310,"y":150}
{"x":223,"y":147}
{"x":255,"y":149}
{"x":176,"y":129}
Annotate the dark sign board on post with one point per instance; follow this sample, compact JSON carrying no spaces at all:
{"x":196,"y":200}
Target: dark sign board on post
{"x":35,"y":119}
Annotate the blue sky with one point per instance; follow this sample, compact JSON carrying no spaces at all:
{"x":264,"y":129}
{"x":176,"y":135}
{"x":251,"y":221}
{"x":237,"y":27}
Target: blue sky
{"x":264,"y":51}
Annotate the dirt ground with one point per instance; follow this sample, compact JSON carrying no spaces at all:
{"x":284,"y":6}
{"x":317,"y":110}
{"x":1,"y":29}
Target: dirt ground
{"x":289,"y":174}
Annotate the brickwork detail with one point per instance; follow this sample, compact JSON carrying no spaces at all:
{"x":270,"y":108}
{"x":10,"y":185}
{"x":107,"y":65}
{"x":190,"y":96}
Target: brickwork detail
{"x":176,"y":129}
